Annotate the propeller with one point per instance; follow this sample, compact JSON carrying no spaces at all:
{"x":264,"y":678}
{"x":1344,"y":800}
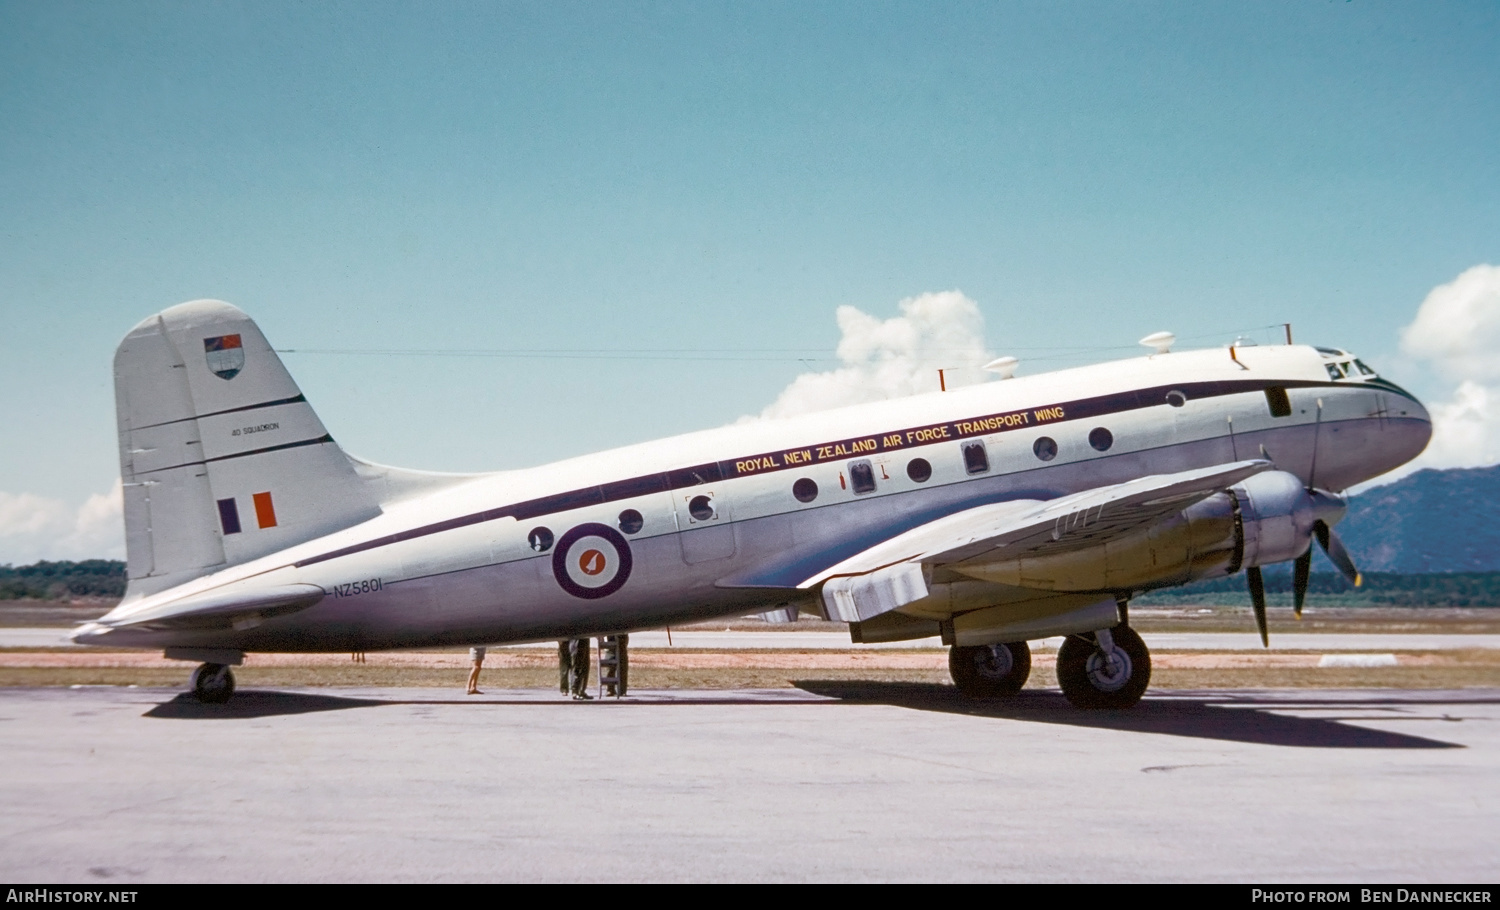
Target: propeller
{"x":1301,"y":572}
{"x":1302,"y":567}
{"x":1258,"y":600}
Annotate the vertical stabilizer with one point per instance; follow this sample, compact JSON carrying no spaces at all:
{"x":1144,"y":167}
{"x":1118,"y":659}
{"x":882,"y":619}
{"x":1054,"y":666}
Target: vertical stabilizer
{"x":222,"y":458}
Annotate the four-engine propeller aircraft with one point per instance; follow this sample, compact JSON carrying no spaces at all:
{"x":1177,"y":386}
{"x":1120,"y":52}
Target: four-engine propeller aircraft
{"x":990,"y":515}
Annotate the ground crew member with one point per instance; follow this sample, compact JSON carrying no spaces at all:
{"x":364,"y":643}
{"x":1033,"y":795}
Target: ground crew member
{"x":573,"y":667}
{"x":477,"y":656}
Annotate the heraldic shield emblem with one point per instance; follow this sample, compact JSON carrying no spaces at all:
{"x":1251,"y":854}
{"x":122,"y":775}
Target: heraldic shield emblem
{"x":226,"y":356}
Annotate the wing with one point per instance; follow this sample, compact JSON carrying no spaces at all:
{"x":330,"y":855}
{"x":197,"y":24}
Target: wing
{"x":897,"y":571}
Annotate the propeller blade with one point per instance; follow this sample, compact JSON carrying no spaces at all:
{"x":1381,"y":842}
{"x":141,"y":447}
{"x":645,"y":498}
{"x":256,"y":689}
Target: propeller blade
{"x":1258,"y":600}
{"x":1301,"y":572}
{"x":1337,"y":555}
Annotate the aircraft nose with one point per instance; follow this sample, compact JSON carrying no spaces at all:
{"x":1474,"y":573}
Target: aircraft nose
{"x":1407,"y":428}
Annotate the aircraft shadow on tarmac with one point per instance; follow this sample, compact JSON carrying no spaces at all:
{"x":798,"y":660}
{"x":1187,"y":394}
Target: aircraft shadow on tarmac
{"x":1202,"y":717}
{"x":247,"y":705}
{"x":1232,"y":717}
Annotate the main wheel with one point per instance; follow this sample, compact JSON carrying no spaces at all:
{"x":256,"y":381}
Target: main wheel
{"x":213,"y":683}
{"x":1091,"y":678}
{"x":990,"y":671}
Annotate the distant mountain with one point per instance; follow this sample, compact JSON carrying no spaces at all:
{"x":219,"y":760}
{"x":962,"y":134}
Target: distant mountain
{"x":1430,"y":521}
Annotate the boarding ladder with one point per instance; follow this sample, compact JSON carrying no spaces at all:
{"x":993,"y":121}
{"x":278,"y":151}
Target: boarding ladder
{"x":614,"y":665}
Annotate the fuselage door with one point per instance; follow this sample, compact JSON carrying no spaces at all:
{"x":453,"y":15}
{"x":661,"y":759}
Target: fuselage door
{"x":704,"y":528}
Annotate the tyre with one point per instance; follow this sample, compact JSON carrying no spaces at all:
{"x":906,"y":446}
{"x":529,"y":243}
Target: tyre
{"x":1092,"y":679}
{"x":213,"y":683}
{"x":990,"y":671}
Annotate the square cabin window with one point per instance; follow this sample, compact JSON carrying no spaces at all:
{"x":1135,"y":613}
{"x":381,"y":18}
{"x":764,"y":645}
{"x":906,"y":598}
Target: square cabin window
{"x":862,"y":477}
{"x":1279,"y":403}
{"x":976,"y":458}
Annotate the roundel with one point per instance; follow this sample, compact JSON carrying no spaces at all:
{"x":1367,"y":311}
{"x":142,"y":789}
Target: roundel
{"x":591,"y":561}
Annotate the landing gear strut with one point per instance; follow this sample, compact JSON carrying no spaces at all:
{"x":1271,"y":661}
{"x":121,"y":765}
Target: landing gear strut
{"x":213,"y":683}
{"x":990,"y":671}
{"x":1108,"y":669}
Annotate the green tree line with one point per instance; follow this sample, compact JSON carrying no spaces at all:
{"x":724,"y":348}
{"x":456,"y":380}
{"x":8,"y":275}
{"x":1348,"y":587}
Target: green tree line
{"x":60,"y":580}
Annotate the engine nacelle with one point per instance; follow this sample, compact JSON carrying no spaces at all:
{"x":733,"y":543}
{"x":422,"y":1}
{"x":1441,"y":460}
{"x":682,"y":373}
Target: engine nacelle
{"x":1269,"y":518}
{"x":1276,"y":518}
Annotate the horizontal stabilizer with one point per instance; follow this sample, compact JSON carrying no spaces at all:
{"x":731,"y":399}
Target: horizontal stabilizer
{"x":240,"y":609}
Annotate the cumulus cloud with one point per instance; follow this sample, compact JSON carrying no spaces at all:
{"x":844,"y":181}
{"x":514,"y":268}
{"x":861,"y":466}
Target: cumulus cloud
{"x":35,"y":527}
{"x":896,"y":357}
{"x":1457,"y":332}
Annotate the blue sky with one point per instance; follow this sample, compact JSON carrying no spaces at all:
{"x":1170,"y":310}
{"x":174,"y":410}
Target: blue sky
{"x":713,"y":179}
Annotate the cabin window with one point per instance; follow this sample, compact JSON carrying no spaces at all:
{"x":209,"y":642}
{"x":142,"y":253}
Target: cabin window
{"x":1045,"y":448}
{"x":862,"y":477}
{"x":1176,"y":398}
{"x":1279,"y":403}
{"x":631,"y":521}
{"x":919,"y":469}
{"x":806,"y":489}
{"x":540,"y":539}
{"x":701,"y":508}
{"x":976,"y":457}
{"x":1101,"y":439}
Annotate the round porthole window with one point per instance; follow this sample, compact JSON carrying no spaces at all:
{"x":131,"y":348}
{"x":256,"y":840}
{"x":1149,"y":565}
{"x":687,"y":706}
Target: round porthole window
{"x":1176,"y":398}
{"x":1101,"y":439}
{"x":540,"y":539}
{"x":806,"y":489}
{"x":919,"y":469}
{"x":701,"y":508}
{"x":1045,"y":448}
{"x":631,"y":521}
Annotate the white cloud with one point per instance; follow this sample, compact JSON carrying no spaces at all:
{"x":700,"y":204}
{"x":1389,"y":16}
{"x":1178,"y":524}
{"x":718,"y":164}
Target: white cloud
{"x":1457,"y":332}
{"x":895,"y":357}
{"x":34,"y":527}
{"x":1457,"y":327}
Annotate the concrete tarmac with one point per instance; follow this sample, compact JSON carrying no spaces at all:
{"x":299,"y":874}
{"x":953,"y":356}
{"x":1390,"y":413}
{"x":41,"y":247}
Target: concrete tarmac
{"x":846,"y":781}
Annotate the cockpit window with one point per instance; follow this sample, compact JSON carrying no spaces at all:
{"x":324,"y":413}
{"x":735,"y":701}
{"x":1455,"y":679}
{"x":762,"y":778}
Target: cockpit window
{"x":1364,"y":369}
{"x":1334,"y":371}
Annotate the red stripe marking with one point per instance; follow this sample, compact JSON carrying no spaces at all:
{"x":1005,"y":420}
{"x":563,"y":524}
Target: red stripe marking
{"x":265,"y":513}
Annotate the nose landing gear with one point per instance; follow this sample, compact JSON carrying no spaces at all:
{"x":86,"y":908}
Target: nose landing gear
{"x":1109,"y":669}
{"x":990,"y":671}
{"x":213,"y":683}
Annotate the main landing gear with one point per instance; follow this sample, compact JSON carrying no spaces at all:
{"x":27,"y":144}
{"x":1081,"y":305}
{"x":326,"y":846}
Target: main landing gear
{"x":1109,"y":668}
{"x":990,"y":671}
{"x":213,"y":683}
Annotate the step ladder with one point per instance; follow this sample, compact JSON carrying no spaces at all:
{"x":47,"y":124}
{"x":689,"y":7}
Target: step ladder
{"x":614,"y":665}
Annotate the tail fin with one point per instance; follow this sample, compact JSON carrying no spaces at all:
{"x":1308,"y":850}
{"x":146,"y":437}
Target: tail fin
{"x":222,"y":458}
